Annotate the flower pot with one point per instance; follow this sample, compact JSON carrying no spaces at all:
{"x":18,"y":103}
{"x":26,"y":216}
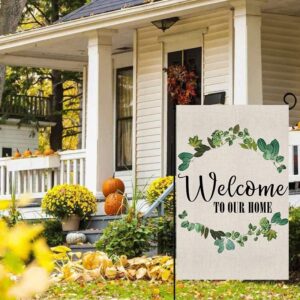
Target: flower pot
{"x":71,"y":223}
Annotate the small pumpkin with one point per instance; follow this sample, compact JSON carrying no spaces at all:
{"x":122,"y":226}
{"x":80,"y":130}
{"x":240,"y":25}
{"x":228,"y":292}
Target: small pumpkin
{"x":48,"y":152}
{"x":74,"y":238}
{"x":17,"y":154}
{"x":112,"y":185}
{"x":27,"y":153}
{"x":115,"y":204}
{"x":37,"y":153}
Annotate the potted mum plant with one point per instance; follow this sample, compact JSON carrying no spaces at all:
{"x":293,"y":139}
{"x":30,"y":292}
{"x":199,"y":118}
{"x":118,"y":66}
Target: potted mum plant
{"x":69,"y":204}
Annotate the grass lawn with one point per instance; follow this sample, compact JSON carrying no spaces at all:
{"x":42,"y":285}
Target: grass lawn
{"x":118,"y":290}
{"x":236,"y":290}
{"x":187,"y":290}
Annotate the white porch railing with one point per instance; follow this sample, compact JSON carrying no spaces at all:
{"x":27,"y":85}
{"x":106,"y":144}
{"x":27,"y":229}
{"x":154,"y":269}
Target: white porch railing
{"x":294,"y":168}
{"x":294,"y":156}
{"x":36,"y":176}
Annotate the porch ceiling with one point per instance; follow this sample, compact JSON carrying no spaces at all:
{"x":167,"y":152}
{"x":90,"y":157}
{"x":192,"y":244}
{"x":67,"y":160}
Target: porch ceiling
{"x":283,"y":7}
{"x":71,"y":53}
{"x":64,"y":45}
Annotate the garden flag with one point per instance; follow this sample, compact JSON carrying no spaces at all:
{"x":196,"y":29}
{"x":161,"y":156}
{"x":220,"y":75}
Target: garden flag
{"x":232,"y":192}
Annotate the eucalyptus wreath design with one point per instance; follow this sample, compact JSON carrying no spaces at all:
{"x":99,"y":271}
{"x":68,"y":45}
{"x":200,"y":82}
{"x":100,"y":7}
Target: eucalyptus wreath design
{"x":229,"y":240}
{"x":233,"y":135}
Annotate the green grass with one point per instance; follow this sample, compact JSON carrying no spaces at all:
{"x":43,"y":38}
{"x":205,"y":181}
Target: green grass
{"x":117,"y":290}
{"x":236,"y":290}
{"x":186,"y":290}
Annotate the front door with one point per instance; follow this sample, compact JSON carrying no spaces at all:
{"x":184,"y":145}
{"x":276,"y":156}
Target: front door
{"x":192,"y":60}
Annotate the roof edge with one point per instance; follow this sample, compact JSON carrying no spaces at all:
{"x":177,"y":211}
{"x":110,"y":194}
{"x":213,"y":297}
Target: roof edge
{"x":102,"y":21}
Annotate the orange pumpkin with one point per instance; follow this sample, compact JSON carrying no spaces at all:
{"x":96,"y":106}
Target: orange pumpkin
{"x":17,"y":154}
{"x":48,"y":152}
{"x":37,"y":153}
{"x":112,"y":185}
{"x":114,"y":204}
{"x":27,"y":153}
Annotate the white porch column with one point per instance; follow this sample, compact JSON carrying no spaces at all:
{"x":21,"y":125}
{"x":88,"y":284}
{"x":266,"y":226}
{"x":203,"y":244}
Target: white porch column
{"x":99,"y":123}
{"x":247,"y":52}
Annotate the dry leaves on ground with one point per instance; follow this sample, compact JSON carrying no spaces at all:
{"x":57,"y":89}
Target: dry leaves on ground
{"x":97,"y":266}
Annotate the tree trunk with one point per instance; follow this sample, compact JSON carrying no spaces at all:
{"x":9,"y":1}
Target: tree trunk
{"x":56,"y":135}
{"x":58,"y":96}
{"x":10,"y":15}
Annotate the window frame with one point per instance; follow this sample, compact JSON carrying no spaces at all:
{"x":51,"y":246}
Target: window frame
{"x":118,"y":119}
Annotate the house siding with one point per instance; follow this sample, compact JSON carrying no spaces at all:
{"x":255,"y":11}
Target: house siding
{"x":280,"y":60}
{"x":150,"y":114}
{"x":13,"y":137}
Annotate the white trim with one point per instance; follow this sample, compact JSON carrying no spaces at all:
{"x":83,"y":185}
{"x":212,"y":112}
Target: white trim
{"x":142,"y":13}
{"x":164,"y":121}
{"x":134,"y":115}
{"x":84,"y":103}
{"x":46,"y":62}
{"x":230,"y":96}
{"x":120,"y":61}
{"x":16,"y":122}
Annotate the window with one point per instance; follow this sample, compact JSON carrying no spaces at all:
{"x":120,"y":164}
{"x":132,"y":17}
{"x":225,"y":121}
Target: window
{"x":124,"y":97}
{"x":6,"y":152}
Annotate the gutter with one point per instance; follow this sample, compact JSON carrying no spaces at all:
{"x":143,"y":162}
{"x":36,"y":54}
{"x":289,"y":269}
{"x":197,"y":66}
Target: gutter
{"x":130,"y":15}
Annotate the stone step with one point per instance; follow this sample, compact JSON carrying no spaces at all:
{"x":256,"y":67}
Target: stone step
{"x":83,"y":248}
{"x":99,"y":221}
{"x":92,"y":235}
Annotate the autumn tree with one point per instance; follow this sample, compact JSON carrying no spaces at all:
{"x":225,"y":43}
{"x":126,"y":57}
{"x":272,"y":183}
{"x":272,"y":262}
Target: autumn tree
{"x":10,"y":15}
{"x":65,"y":87}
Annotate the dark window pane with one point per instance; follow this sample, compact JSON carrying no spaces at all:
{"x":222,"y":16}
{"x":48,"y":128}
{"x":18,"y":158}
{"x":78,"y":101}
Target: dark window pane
{"x":6,"y":152}
{"x":192,"y":61}
{"x":124,"y":92}
{"x":124,"y":119}
{"x":124,"y":144}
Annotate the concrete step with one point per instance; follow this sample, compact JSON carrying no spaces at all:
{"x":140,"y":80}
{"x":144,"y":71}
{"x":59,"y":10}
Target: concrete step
{"x":92,"y":235}
{"x":98,"y":221}
{"x":83,"y":248}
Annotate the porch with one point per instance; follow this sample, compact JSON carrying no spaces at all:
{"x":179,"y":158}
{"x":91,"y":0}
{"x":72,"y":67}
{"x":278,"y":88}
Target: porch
{"x":247,"y":49}
{"x":20,"y":106}
{"x":35,"y":176}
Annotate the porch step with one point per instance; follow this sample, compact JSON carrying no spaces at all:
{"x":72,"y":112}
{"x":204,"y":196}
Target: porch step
{"x":99,"y":222}
{"x":92,"y":235}
{"x":83,"y":248}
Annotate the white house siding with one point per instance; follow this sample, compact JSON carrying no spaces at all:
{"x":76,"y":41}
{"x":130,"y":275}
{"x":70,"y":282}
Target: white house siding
{"x":126,"y":177}
{"x":13,"y":137}
{"x":150,"y":107}
{"x":281,"y":60}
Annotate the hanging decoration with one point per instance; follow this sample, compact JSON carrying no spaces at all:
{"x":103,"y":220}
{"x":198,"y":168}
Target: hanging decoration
{"x":182,"y":84}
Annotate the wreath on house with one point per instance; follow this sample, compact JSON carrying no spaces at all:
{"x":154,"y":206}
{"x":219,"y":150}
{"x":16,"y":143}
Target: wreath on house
{"x":265,"y":228}
{"x":182,"y":84}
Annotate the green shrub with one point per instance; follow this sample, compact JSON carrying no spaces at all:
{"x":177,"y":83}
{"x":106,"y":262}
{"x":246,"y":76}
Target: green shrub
{"x":165,"y":235}
{"x":52,"y":232}
{"x":126,"y":237}
{"x":294,"y":221}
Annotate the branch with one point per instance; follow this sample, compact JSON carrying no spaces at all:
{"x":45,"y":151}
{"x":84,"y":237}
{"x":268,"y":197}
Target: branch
{"x":71,"y":134}
{"x":41,"y":12}
{"x":71,"y":127}
{"x":72,"y":109}
{"x":34,"y":18}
